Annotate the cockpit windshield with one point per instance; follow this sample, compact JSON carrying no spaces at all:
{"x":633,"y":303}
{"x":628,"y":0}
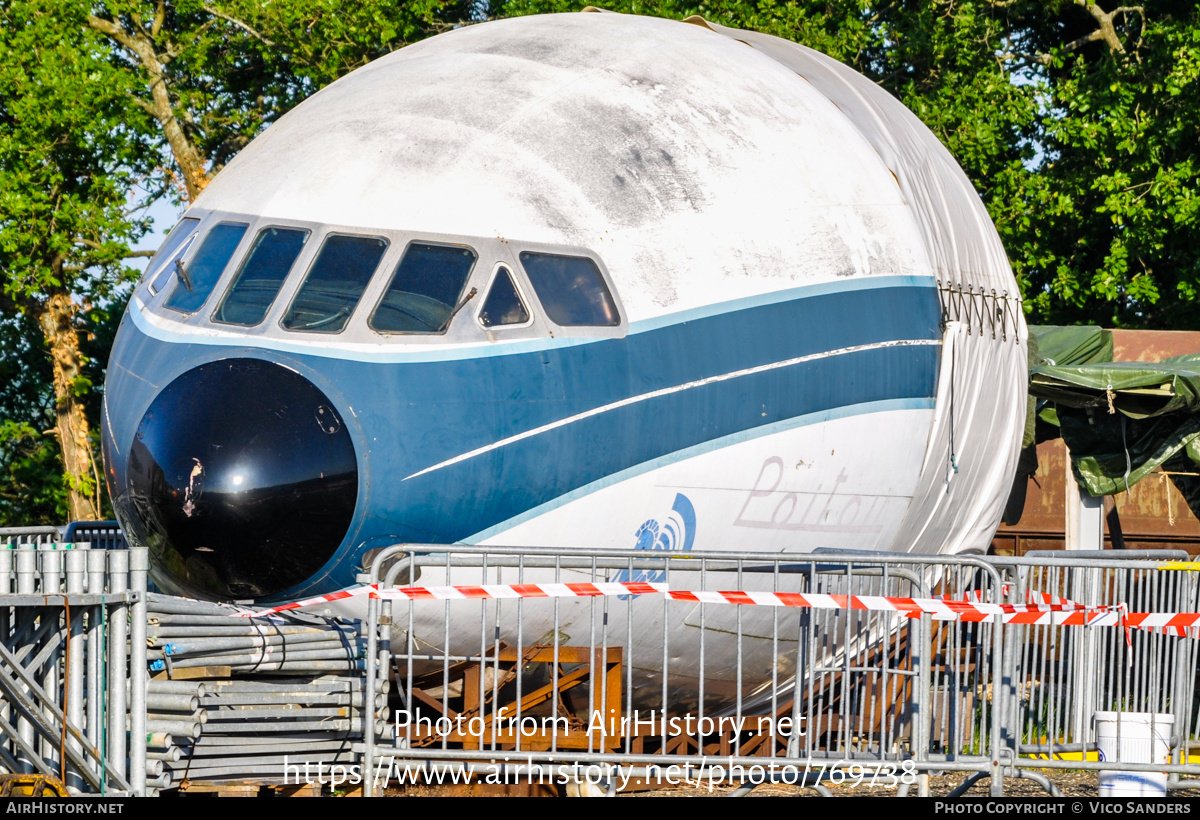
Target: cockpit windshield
{"x":162,"y":265}
{"x":280,"y":275}
{"x":425,"y":289}
{"x":262,"y":274}
{"x":335,"y":283}
{"x":503,"y":305}
{"x":199,"y":276}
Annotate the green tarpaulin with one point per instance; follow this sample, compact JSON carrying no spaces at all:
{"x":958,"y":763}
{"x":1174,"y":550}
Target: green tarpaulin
{"x":1120,"y":420}
{"x":1072,"y":345}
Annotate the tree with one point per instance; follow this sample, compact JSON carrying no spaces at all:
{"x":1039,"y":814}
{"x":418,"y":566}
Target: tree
{"x":31,"y":485}
{"x":67,"y":163}
{"x":1076,"y":121}
{"x":100,"y":99}
{"x":1115,"y":237}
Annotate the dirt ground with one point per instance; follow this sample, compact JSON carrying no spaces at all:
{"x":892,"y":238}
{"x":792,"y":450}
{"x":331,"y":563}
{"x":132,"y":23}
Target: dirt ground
{"x":1070,"y":783}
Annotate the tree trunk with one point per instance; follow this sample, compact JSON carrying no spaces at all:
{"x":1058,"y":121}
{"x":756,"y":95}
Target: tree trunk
{"x":79,"y":466}
{"x":140,"y":44}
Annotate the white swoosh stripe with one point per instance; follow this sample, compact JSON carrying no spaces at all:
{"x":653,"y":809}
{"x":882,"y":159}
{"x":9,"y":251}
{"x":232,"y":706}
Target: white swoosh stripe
{"x":762,"y":368}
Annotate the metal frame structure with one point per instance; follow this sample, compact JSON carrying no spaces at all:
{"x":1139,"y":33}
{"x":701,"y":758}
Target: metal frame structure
{"x":72,"y":662}
{"x":876,"y":689}
{"x":854,"y":691}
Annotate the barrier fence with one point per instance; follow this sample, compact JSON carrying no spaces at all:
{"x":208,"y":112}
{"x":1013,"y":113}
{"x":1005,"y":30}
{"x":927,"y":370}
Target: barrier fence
{"x":608,"y":670}
{"x":806,"y":669}
{"x":72,"y":627}
{"x":1064,"y":676}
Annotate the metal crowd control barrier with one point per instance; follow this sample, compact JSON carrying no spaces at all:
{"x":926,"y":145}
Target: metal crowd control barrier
{"x":105,"y":535}
{"x":1059,"y":677}
{"x":862,"y":692}
{"x":800,"y":695}
{"x":11,"y":536}
{"x":719,"y":667}
{"x":72,"y":626}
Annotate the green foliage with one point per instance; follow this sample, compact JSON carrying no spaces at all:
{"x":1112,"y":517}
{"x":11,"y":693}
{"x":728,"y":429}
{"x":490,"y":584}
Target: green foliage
{"x":1118,"y":239}
{"x":1085,"y":154}
{"x":32,"y":491}
{"x":324,"y":39}
{"x":231,"y":68}
{"x":32,"y":483}
{"x":86,"y":129}
{"x":31,"y":487}
{"x":68,"y":160}
{"x":67,"y":157}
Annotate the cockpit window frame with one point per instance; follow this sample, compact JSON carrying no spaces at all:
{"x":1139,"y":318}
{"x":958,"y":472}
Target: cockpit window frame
{"x":616,"y":331}
{"x":392,"y":270}
{"x":532,"y":308}
{"x":464,"y":329}
{"x":176,"y":244}
{"x":196,"y":244}
{"x":380,"y":265}
{"x":551,"y":286}
{"x":303,"y":257}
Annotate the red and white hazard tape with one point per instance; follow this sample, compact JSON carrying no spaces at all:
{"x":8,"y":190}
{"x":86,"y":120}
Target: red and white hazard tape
{"x":520,"y":591}
{"x":1031,"y":597}
{"x":1042,"y":609}
{"x":340,"y":595}
{"x":1180,"y":624}
{"x":466,"y":593}
{"x":940,"y":609}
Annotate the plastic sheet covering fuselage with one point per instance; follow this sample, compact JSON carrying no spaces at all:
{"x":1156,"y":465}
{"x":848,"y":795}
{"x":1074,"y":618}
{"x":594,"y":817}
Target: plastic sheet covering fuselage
{"x":959,"y":500}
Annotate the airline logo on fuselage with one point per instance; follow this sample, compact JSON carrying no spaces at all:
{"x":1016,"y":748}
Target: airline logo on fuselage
{"x":675,"y":533}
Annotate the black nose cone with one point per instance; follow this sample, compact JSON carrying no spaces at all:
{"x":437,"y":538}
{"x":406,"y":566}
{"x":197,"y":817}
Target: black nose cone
{"x":242,"y":480}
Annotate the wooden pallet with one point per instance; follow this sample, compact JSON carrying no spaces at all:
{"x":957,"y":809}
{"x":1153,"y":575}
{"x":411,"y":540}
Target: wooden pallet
{"x":194,"y":788}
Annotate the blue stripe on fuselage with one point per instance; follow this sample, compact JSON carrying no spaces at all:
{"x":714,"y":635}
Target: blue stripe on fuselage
{"x":445,"y":504}
{"x":849,"y":411}
{"x":487,"y":399}
{"x":331,"y":347}
{"x":416,"y":414}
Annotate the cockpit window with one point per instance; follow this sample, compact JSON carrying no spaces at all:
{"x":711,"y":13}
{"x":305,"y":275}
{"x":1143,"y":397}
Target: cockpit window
{"x":196,"y":279}
{"x":162,"y":265}
{"x":425,"y":289}
{"x":571,"y":289}
{"x":262,"y":274}
{"x":170,"y":267}
{"x":335,"y":283}
{"x":503,"y":305}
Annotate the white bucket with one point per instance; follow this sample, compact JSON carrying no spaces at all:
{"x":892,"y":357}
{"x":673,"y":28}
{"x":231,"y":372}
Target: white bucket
{"x":1145,"y":738}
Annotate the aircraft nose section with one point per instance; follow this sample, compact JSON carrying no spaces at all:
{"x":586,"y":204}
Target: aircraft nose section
{"x":242,"y":480}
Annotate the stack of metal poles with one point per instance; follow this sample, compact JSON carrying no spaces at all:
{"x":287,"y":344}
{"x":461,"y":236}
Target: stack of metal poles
{"x":189,"y":634}
{"x":236,"y":699}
